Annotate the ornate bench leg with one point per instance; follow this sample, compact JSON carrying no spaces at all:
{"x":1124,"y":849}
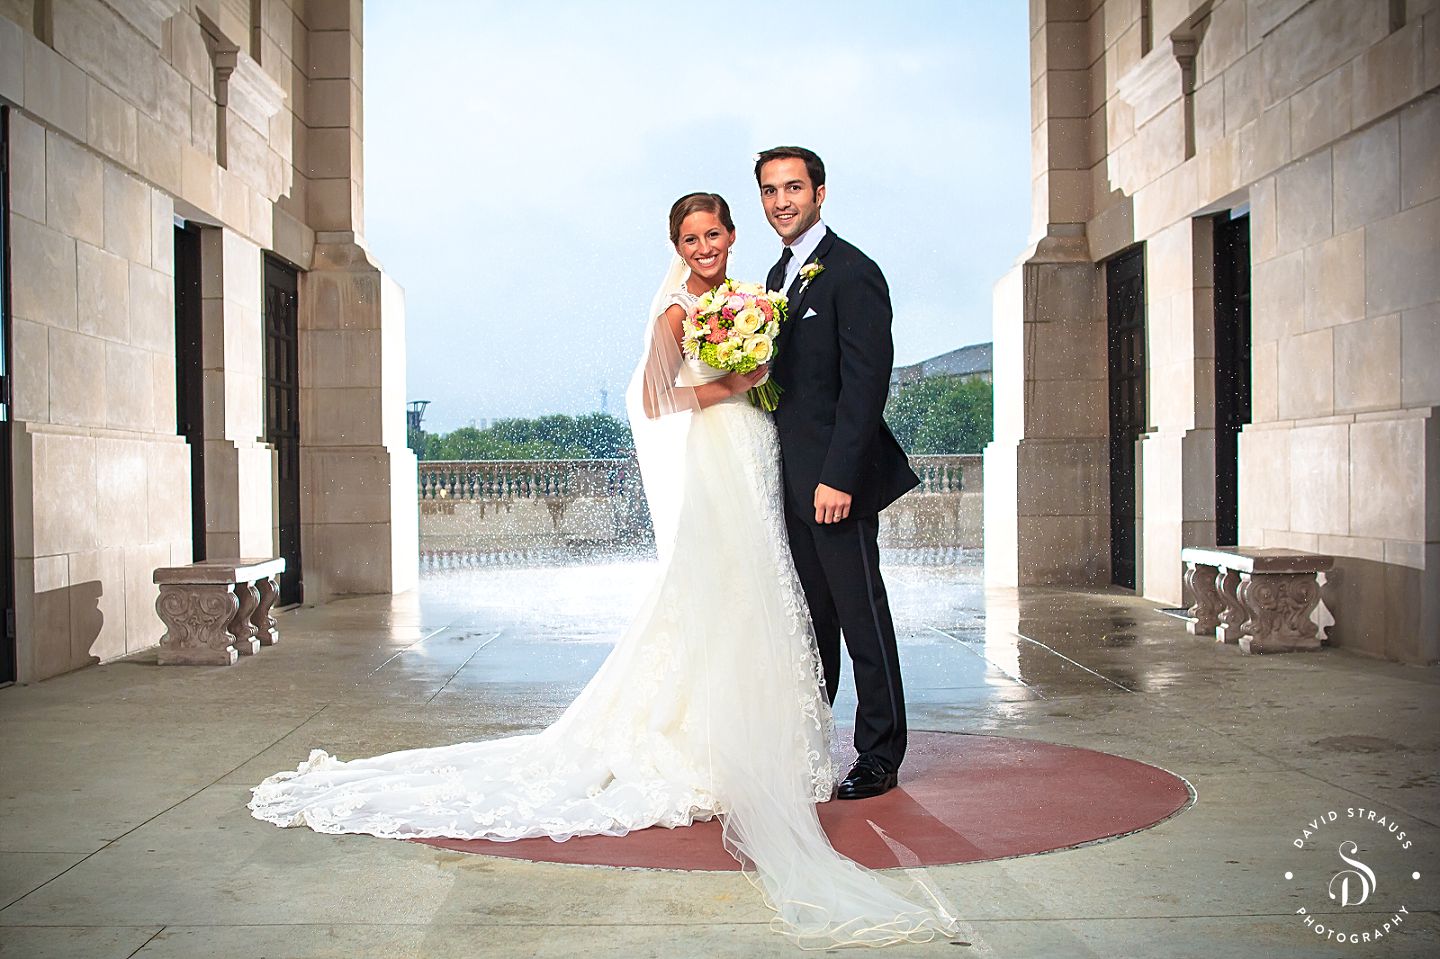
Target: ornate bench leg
{"x":1279,"y":606}
{"x":266,"y":630}
{"x":1321,"y":615}
{"x":1205,"y":614}
{"x":196,"y":618}
{"x":241,"y":627}
{"x":1232,"y":615}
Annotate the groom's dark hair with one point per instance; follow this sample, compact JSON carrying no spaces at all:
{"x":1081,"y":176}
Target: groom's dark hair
{"x":814,"y":166}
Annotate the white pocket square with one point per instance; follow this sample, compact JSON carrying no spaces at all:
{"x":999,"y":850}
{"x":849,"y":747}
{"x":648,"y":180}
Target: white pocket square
{"x":808,"y":313}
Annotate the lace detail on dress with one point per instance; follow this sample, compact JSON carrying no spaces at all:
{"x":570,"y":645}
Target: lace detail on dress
{"x":682,"y":298}
{"x":629,"y":752}
{"x":711,"y":703}
{"x":753,"y":435}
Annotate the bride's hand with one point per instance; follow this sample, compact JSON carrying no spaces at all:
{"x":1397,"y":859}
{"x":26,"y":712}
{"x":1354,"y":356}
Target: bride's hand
{"x":741,"y":382}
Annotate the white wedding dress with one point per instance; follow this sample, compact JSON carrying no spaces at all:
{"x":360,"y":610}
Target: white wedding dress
{"x":710,"y":704}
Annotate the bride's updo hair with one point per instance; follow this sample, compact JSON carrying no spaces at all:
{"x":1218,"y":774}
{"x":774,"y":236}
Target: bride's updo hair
{"x":698,"y":203}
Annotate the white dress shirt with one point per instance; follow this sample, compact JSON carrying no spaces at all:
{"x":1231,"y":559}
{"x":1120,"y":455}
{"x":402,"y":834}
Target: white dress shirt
{"x":803,"y":246}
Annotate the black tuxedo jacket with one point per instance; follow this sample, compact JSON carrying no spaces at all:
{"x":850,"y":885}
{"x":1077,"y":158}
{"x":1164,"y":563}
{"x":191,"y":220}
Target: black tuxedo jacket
{"x":833,"y":367}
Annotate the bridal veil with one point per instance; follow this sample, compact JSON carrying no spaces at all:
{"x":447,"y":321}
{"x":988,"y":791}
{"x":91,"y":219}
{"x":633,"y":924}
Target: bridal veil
{"x":713,"y":486}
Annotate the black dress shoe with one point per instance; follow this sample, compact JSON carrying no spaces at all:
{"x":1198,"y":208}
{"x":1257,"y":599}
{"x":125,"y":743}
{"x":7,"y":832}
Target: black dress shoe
{"x":867,"y":778}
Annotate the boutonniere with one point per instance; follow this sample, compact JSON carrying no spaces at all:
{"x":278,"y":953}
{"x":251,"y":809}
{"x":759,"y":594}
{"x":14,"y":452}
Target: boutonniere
{"x":809,"y":271}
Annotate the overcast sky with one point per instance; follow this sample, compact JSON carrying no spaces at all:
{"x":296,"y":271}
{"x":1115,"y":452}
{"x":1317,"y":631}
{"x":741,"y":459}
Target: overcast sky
{"x":520,"y":160}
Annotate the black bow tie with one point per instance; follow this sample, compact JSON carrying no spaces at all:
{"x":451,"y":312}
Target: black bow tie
{"x":777,"y":272}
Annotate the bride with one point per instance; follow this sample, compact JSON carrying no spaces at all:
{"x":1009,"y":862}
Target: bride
{"x":711,"y":703}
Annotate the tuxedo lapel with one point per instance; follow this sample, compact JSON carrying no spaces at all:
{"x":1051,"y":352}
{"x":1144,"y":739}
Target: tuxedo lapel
{"x":799,"y":287}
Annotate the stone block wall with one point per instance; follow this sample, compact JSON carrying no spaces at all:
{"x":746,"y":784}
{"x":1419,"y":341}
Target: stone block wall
{"x":1341,"y":456}
{"x":243,"y":119}
{"x":1320,"y":117}
{"x":102,"y":481}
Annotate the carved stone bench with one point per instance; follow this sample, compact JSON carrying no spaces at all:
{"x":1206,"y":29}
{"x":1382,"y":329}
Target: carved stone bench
{"x":217,"y":610}
{"x":1260,"y":597}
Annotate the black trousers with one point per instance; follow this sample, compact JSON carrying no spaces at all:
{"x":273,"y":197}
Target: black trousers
{"x":839,"y":569}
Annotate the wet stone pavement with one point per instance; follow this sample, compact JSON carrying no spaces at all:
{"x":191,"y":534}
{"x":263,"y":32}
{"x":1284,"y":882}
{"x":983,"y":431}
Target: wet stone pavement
{"x":123,"y":830}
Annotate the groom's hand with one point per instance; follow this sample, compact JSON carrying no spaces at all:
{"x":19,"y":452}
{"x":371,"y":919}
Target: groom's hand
{"x":831,"y":505}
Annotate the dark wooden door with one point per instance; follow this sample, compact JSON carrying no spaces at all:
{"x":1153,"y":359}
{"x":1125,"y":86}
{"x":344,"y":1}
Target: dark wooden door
{"x":7,"y":379}
{"x":1125,"y":316}
{"x":1232,"y":367}
{"x":282,"y":412}
{"x":190,"y":374}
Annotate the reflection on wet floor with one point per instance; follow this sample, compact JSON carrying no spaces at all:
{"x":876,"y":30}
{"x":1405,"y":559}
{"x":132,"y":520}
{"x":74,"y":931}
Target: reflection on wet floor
{"x":960,"y":647}
{"x":129,"y":809}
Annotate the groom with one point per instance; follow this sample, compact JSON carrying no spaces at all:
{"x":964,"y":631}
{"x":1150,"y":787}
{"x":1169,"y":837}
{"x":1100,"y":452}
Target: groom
{"x":842,"y":465}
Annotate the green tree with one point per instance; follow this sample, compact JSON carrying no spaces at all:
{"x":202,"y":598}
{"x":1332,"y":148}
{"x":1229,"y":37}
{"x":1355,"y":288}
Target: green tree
{"x":942,"y":414}
{"x":552,"y":437}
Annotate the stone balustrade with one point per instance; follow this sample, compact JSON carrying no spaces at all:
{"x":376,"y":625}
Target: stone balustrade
{"x":473,"y":480}
{"x":944,"y":511}
{"x":948,"y":473}
{"x":526,"y":505}
{"x":504,"y":505}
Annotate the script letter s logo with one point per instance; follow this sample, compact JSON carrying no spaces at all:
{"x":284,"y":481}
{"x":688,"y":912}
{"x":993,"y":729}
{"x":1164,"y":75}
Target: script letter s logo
{"x":1362,"y":874}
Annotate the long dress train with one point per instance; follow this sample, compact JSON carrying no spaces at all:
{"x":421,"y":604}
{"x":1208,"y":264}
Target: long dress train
{"x":710,"y":704}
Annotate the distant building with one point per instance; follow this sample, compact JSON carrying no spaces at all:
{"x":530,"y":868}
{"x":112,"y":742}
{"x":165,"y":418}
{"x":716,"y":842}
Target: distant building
{"x":968,"y":362}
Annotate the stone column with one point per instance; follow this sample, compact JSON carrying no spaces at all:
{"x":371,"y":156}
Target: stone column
{"x":359,"y":517}
{"x":1046,"y":486}
{"x":238,"y":508}
{"x":1046,"y":472}
{"x":334,"y":126}
{"x":1177,"y":453}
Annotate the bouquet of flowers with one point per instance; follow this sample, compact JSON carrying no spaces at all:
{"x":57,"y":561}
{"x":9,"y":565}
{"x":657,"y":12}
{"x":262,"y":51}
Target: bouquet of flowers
{"x":733,"y":329}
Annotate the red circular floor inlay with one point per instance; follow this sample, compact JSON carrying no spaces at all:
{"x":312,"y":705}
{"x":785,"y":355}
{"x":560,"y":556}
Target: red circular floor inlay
{"x":962,"y":798}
